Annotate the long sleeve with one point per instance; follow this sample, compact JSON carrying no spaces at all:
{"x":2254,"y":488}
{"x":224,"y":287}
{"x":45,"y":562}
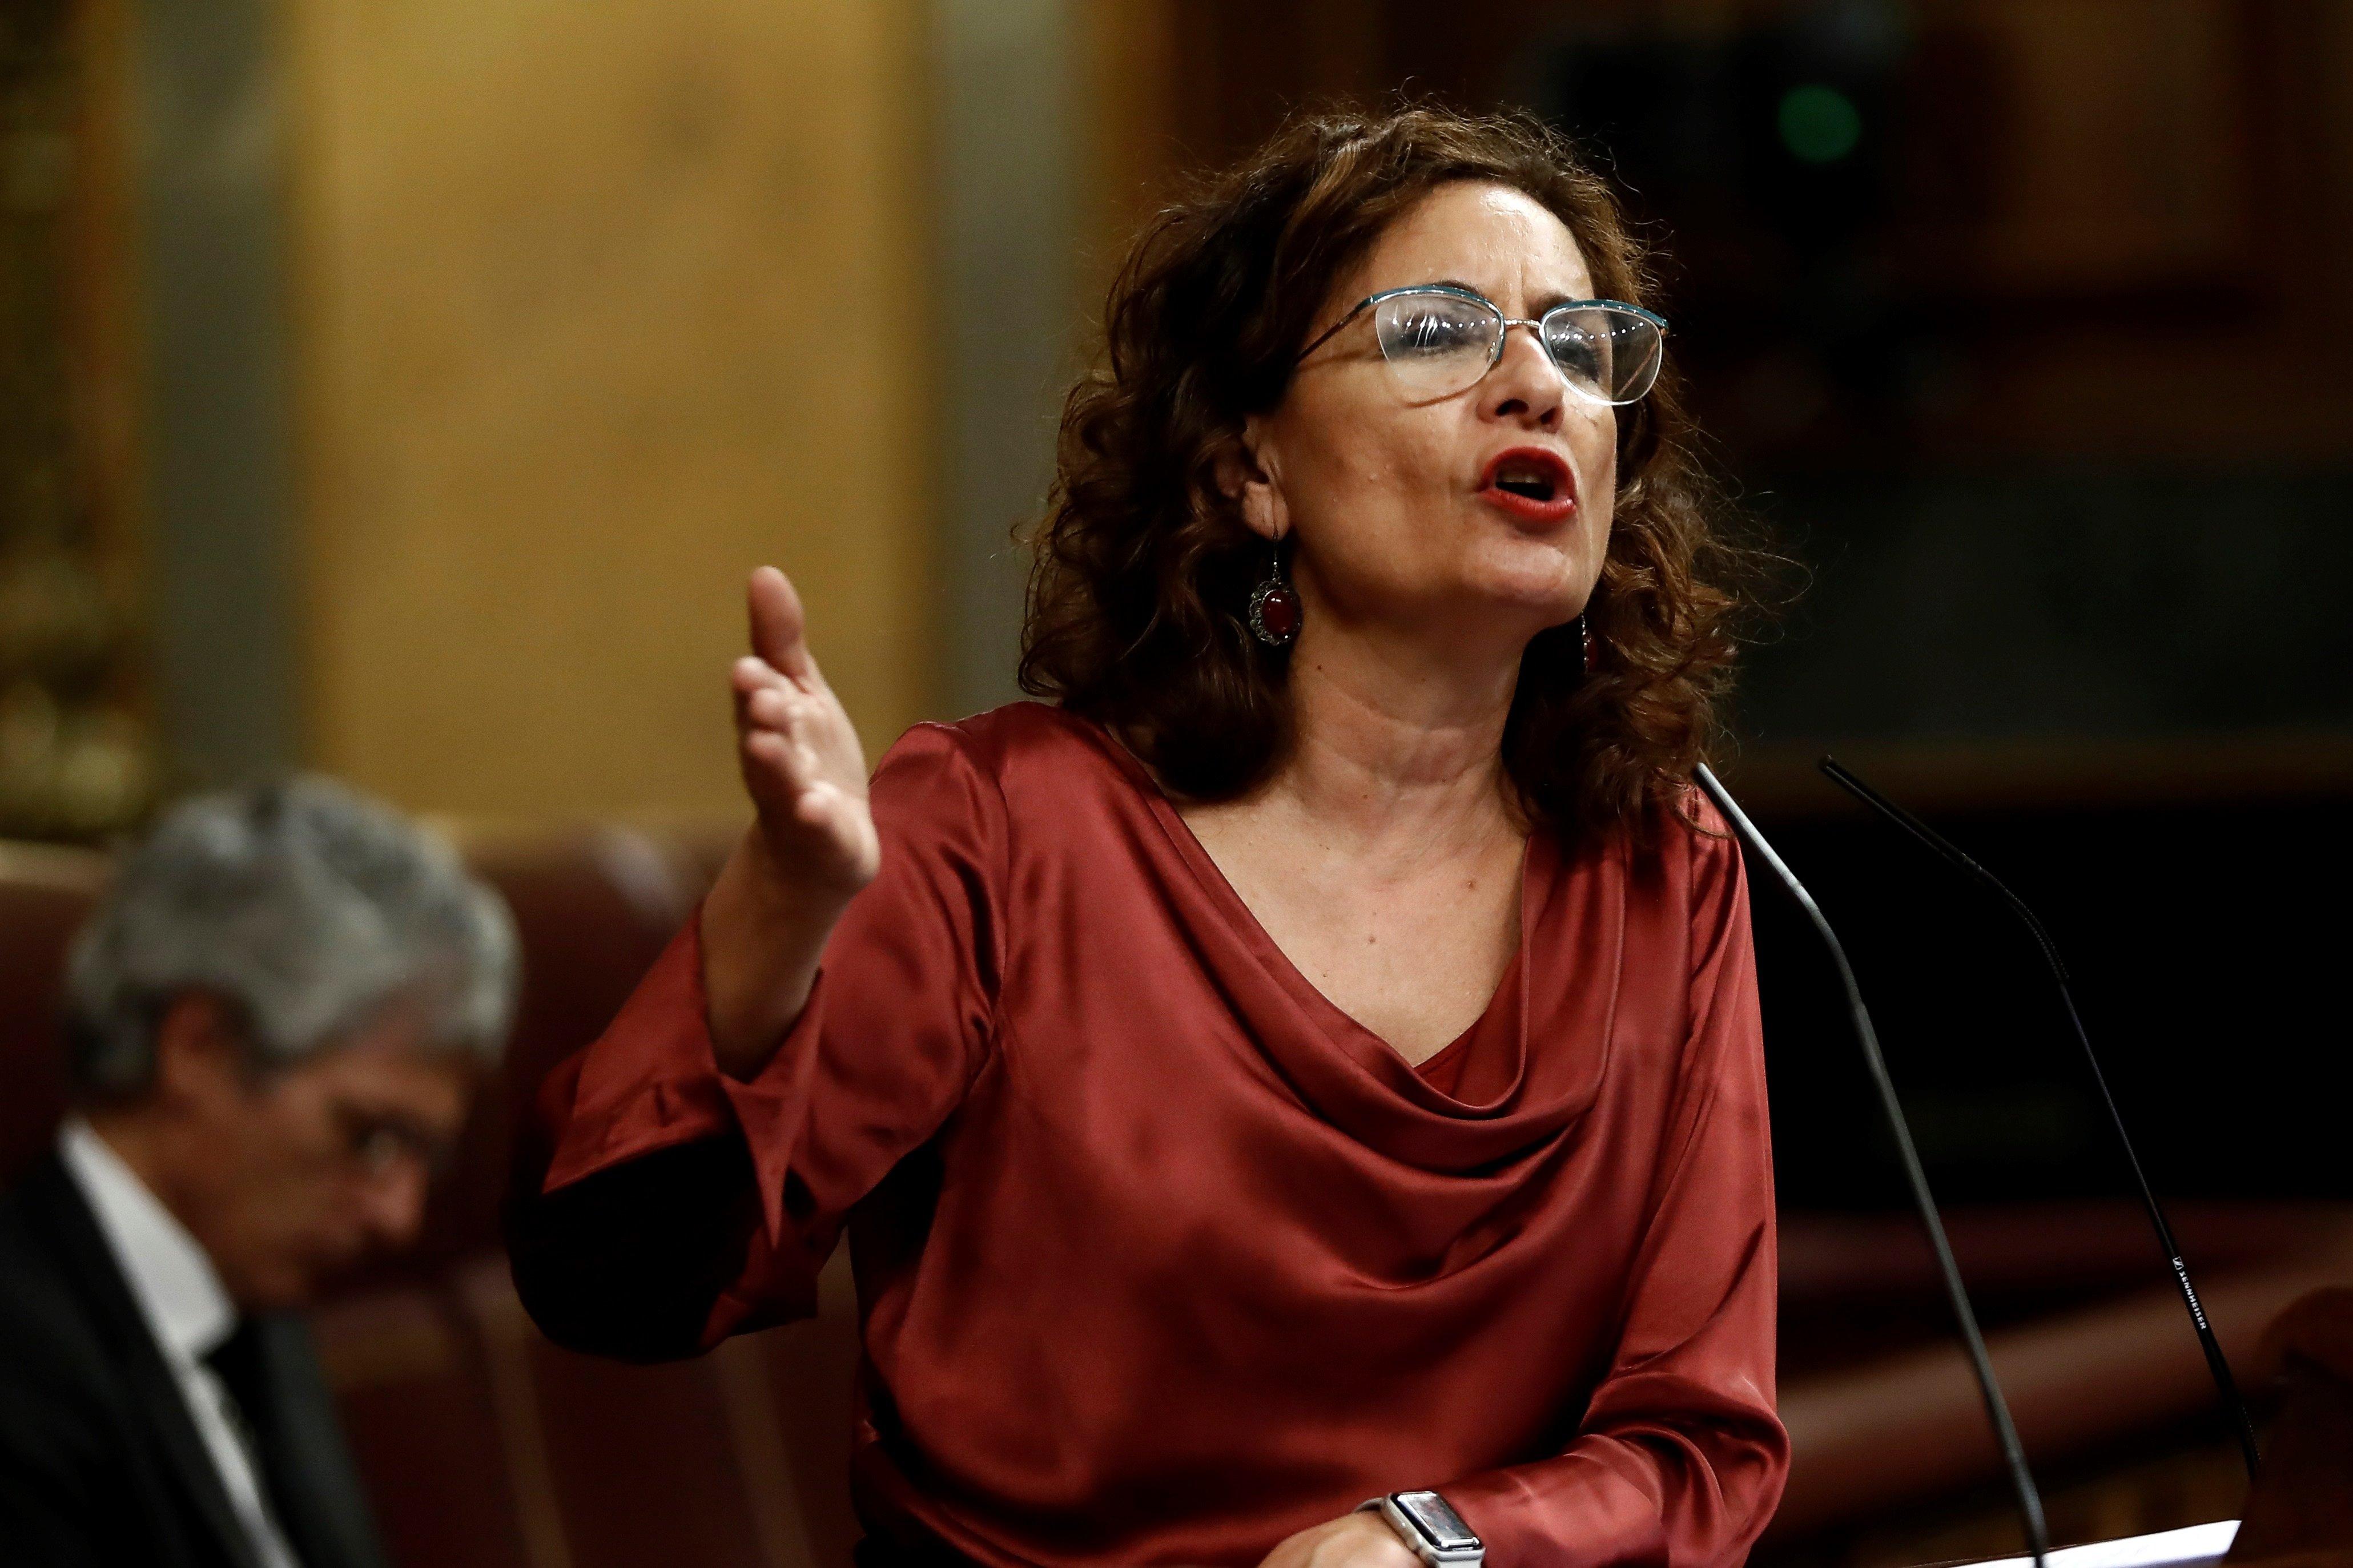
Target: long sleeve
{"x":1680,"y":1458}
{"x":660,"y":1205}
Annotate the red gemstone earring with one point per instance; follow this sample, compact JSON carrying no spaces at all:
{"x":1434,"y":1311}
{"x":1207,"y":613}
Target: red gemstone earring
{"x":1274,"y":605}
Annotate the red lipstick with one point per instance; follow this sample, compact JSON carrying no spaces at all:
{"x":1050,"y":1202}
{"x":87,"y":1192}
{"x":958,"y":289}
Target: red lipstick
{"x":1531,"y":483}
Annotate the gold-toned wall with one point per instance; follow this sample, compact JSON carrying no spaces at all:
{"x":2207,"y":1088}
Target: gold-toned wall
{"x":599,"y":307}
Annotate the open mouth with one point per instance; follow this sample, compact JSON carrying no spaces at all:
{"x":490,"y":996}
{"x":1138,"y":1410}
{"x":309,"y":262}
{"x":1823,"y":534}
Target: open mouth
{"x":1531,"y":481}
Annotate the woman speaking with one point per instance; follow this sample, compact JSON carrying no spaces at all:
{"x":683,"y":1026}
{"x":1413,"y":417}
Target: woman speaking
{"x":1313,"y":1057}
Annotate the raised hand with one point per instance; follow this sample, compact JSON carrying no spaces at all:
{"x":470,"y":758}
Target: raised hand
{"x":799,"y":756}
{"x":812,"y":847}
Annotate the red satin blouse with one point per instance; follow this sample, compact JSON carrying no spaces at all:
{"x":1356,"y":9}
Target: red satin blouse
{"x":1160,"y":1256}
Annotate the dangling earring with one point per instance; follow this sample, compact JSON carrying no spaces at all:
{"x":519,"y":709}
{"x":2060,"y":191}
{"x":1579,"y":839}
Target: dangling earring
{"x":1274,"y":605}
{"x":1585,"y":641}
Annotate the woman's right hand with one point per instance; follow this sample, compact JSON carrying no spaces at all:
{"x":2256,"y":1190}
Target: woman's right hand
{"x":800,"y":759}
{"x":812,"y":846}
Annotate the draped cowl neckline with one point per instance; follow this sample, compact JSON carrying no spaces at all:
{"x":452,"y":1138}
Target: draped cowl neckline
{"x":1523,"y":1074}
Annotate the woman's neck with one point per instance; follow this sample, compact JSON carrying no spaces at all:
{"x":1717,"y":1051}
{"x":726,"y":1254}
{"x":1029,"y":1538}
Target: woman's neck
{"x":1392,"y":744}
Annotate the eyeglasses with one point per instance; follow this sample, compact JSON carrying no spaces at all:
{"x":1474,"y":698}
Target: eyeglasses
{"x":1440,"y":340}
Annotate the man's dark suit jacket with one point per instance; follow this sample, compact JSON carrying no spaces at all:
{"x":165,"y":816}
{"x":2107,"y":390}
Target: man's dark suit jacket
{"x":100,"y":1461}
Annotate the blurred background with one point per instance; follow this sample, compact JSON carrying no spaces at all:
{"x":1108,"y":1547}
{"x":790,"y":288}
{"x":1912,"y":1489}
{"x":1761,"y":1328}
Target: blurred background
{"x":404,"y":391}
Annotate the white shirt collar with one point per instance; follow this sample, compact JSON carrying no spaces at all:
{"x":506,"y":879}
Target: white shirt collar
{"x":182,"y":1297}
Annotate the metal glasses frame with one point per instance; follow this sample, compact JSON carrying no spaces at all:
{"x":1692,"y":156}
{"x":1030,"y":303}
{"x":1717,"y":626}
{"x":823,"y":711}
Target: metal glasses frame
{"x":1496,"y":351}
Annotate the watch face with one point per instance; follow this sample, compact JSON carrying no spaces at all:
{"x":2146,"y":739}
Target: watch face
{"x":1439,"y":1524}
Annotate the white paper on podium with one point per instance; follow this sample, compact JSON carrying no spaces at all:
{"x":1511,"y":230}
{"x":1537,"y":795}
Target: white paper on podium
{"x":2198,"y":1544}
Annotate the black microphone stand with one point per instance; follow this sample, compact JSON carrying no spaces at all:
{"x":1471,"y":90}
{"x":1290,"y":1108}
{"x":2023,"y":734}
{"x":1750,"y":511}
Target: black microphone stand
{"x":2215,"y":1362}
{"x":2030,"y":1502}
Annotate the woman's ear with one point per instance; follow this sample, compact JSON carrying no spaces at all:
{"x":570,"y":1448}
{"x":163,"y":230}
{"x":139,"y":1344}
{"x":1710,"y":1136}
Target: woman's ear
{"x":1249,"y":476}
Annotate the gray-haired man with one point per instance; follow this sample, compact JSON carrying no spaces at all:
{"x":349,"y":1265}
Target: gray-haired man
{"x":276,"y":1016}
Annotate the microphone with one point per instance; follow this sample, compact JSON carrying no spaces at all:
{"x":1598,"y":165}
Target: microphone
{"x":2030,"y":1502}
{"x":2216,"y":1363}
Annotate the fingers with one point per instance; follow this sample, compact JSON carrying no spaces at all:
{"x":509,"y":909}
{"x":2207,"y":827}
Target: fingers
{"x":779,"y":708}
{"x":786,"y":711}
{"x":818,"y":813}
{"x":780,"y":768}
{"x":789,"y":728}
{"x":754,"y":684}
{"x":777,"y":627}
{"x":774,"y":721}
{"x":748,"y":675}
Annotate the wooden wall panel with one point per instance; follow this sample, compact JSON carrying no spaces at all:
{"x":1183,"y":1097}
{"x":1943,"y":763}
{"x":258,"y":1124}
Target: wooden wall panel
{"x":599,"y":307}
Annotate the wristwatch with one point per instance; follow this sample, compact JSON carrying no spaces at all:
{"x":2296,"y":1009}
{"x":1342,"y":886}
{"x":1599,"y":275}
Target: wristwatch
{"x":1431,"y":1529}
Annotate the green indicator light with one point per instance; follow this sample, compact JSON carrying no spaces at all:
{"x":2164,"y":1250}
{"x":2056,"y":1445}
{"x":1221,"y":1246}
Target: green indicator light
{"x":1819,"y":124}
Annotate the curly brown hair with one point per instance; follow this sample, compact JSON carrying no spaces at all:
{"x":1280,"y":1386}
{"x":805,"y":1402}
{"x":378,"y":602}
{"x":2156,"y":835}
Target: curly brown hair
{"x":1143,"y":565}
